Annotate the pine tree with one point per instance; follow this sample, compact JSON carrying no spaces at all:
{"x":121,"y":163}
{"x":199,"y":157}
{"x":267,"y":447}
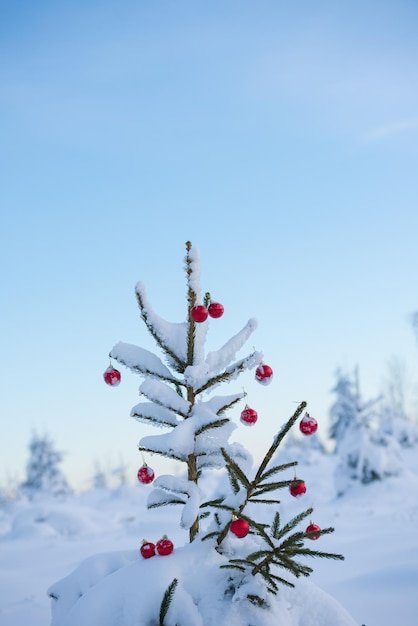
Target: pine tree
{"x":43,"y":474}
{"x":179,"y":398}
{"x":364,"y":448}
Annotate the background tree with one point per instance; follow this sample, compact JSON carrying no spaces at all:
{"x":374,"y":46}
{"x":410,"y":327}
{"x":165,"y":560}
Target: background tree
{"x":43,"y":473}
{"x":366,"y":452}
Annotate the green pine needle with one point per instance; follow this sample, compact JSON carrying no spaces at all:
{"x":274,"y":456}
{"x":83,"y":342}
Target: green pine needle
{"x":167,"y":598}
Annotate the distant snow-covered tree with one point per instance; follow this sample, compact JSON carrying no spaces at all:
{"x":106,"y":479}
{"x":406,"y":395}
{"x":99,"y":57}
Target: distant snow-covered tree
{"x":43,"y":474}
{"x":394,"y":423}
{"x":365,"y":451}
{"x":100,"y":480}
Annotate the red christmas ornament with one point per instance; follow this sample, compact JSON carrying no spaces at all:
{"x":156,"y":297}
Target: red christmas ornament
{"x":147,"y":549}
{"x":215,"y":310}
{"x":164,"y":546}
{"x":111,"y":376}
{"x":264,"y":374}
{"x":297,"y":489}
{"x":199,"y":313}
{"x":145,"y":474}
{"x":249,"y":416}
{"x":311,"y":529}
{"x":240,"y":527}
{"x":308,"y":425}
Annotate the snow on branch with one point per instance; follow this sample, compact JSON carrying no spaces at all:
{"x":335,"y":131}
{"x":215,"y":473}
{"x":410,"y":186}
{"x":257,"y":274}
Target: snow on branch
{"x":151,"y":412}
{"x":220,"y":359}
{"x":219,"y":404}
{"x":193,"y":269}
{"x":201,"y":383}
{"x":171,"y":337}
{"x":141,"y":360}
{"x":209,"y":455}
{"x":181,"y":487}
{"x":163,"y":395}
{"x":178,"y":443}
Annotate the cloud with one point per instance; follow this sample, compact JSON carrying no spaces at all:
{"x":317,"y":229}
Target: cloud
{"x":383,"y":132}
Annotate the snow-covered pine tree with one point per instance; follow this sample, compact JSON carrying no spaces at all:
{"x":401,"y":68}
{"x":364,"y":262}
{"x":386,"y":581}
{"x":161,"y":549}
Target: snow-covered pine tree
{"x":365,"y":451}
{"x":232,"y":568}
{"x":43,"y":472}
{"x":180,"y":398}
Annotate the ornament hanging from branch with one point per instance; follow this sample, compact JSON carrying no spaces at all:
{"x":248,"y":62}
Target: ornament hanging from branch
{"x":264,"y":374}
{"x":112,"y":376}
{"x":308,"y":425}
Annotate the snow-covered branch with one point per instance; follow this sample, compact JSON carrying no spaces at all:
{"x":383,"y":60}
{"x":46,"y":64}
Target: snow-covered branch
{"x":220,"y":359}
{"x":163,"y":395}
{"x":140,"y":360}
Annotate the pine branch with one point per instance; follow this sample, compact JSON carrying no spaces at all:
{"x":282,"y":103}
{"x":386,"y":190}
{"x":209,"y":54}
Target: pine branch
{"x":277,"y":468}
{"x":214,"y":503}
{"x":293,"y":523}
{"x":156,"y":505}
{"x":235,"y":470}
{"x":141,"y":417}
{"x":167,"y":598}
{"x":320,"y":554}
{"x":283,"y":555}
{"x":270,"y":487}
{"x":168,"y":454}
{"x":210,"y":425}
{"x":191,"y":301}
{"x":147,"y":372}
{"x":163,"y":404}
{"x":179,"y":363}
{"x":227,"y":375}
{"x":226,"y":407}
{"x":275,"y":526}
{"x":277,"y":441}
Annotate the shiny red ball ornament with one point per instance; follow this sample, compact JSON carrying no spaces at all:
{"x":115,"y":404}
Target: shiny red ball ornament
{"x":199,"y":313}
{"x":240,"y":528}
{"x":312,"y":528}
{"x":164,"y":546}
{"x":111,"y":376}
{"x":264,"y":374}
{"x":249,"y":416}
{"x":308,"y":425}
{"x":215,"y":310}
{"x":145,"y":474}
{"x":297,"y":489}
{"x":147,"y":549}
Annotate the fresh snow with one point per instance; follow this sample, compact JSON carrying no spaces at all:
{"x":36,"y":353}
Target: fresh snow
{"x":95,"y":538}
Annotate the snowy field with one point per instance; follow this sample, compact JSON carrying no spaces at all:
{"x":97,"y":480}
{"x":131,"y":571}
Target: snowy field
{"x":375,"y":528}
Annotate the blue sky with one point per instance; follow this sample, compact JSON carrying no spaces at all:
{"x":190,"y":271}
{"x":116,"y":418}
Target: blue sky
{"x":280,"y":138}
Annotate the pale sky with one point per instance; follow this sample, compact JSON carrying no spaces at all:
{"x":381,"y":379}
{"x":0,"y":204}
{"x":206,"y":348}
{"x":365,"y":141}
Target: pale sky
{"x":280,"y":138}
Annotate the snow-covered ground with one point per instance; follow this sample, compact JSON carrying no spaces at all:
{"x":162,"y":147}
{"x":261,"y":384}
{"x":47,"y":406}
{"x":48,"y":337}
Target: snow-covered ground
{"x":375,"y":528}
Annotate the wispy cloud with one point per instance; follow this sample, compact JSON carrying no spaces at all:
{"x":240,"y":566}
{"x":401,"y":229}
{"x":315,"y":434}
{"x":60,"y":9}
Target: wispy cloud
{"x":388,"y":130}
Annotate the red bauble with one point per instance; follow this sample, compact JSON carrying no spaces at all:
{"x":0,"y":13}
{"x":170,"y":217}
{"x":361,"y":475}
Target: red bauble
{"x":164,"y":546}
{"x":111,"y":376}
{"x":308,"y":425}
{"x":145,"y":474}
{"x":147,"y":549}
{"x":297,"y":489}
{"x":199,"y":313}
{"x":215,"y":310}
{"x":249,"y":416}
{"x":264,"y":374}
{"x":311,"y":529}
{"x":240,"y":528}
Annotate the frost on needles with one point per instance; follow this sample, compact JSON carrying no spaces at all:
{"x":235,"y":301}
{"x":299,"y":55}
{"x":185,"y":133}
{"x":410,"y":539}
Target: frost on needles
{"x":179,"y":399}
